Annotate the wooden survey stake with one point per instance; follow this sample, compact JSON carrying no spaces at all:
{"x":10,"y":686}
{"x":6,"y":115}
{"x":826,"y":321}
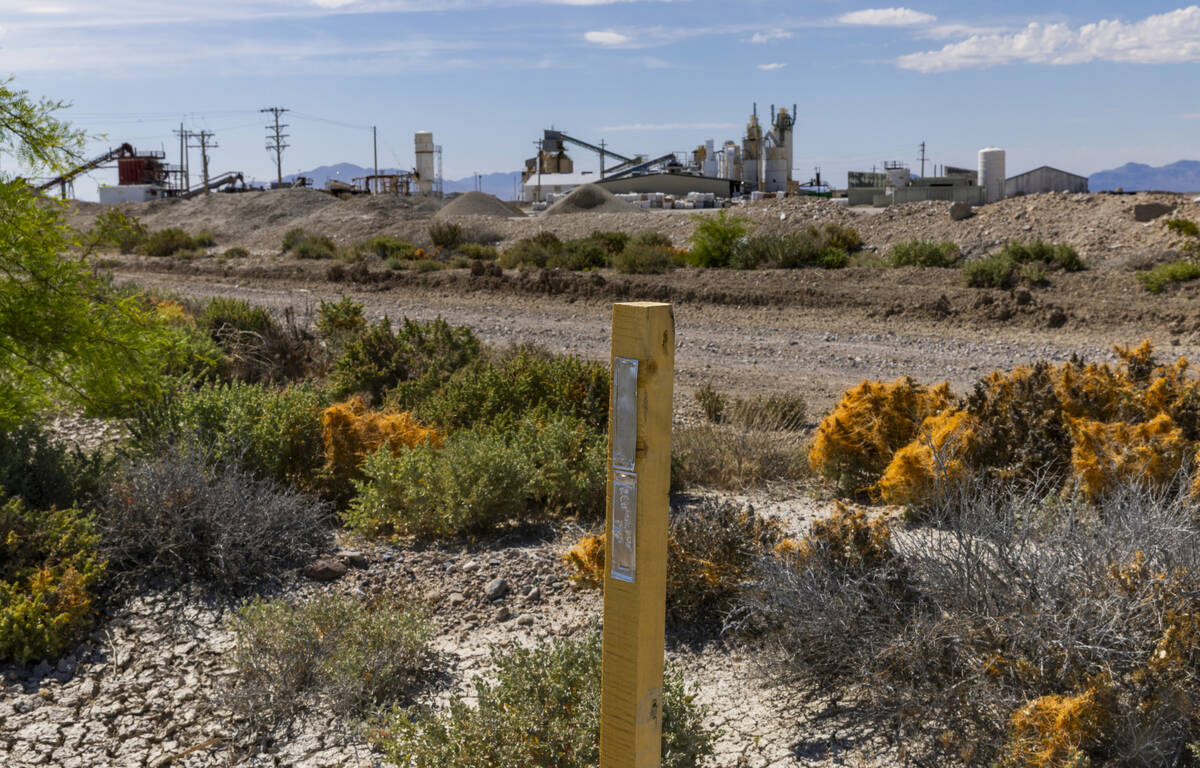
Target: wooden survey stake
{"x":635,"y":552}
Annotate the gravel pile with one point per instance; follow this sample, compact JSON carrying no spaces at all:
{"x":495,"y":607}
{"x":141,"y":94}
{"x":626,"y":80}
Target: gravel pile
{"x":477,"y":204}
{"x":591,"y":199}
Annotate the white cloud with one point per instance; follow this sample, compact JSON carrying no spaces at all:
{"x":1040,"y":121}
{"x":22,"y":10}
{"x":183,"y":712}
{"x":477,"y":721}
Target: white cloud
{"x":1166,"y":38}
{"x":606,"y":37}
{"x":46,"y":10}
{"x":887,"y":17}
{"x":653,"y":62}
{"x":670,"y":127}
{"x":772,"y":66}
{"x":1190,"y":116}
{"x":766,"y":37}
{"x":331,"y":3}
{"x":944,"y":31}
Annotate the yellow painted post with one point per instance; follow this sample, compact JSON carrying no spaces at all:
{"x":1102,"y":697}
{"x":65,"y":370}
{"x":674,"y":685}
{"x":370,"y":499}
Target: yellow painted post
{"x":635,"y":552}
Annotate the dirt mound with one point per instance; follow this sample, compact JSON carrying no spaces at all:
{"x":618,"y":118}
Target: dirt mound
{"x":476,"y":204}
{"x":590,"y":199}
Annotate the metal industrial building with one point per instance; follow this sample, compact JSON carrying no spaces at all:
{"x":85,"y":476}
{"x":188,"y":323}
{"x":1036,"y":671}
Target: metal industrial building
{"x":1044,"y":179}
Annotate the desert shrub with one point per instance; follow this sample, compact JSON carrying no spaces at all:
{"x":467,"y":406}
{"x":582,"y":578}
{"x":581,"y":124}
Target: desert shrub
{"x":478,"y":251}
{"x":481,"y":479}
{"x":715,"y":239}
{"x":1107,"y":455}
{"x":541,"y":707}
{"x":498,"y":392}
{"x":256,"y":347}
{"x":734,"y":458}
{"x":44,"y":473}
{"x":292,"y":238}
{"x":581,"y":254}
{"x":341,"y":320}
{"x":236,"y":252}
{"x":171,"y":241}
{"x":769,"y":412}
{"x":1021,"y":261}
{"x":848,"y":540}
{"x":533,"y":251}
{"x":1017,"y":629}
{"x":712,"y":403}
{"x":49,"y":565}
{"x":1156,"y":279}
{"x":855,"y":443}
{"x":385,"y":247}
{"x":643,"y":259}
{"x":585,"y":561}
{"x":923,"y":253}
{"x":268,"y":431}
{"x":1184,"y":227}
{"x":352,"y":432}
{"x":348,"y":654}
{"x":936,"y":459}
{"x":613,"y":242}
{"x":842,"y":238}
{"x":426,"y":265}
{"x":1033,"y":274}
{"x":993,"y":271}
{"x":651,"y":238}
{"x":445,"y":234}
{"x":826,"y":247}
{"x":417,"y":357}
{"x":315,"y":247}
{"x":115,"y":229}
{"x":177,"y":513}
{"x":204,"y":240}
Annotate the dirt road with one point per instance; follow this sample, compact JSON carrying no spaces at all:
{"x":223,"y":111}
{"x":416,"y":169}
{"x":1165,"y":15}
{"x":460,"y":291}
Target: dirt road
{"x":812,"y":332}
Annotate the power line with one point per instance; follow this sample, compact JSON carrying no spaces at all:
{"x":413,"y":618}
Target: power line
{"x":275,"y":141}
{"x":203,"y":146}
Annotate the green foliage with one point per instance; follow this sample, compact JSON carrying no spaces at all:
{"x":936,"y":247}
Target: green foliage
{"x":66,"y":336}
{"x":32,"y":135}
{"x":236,"y":252}
{"x":1185,"y":227}
{"x":114,"y":229}
{"x":613,"y":242}
{"x":923,"y":253}
{"x":499,"y":392}
{"x":826,"y":247}
{"x":481,"y":479}
{"x":417,"y":358}
{"x":540,"y":709}
{"x":173,"y":241}
{"x":478,"y":251}
{"x":1004,"y":268}
{"x":657,"y":239}
{"x":426,"y":265}
{"x":386,"y":247}
{"x":46,"y":474}
{"x":994,"y":271}
{"x":349,"y":654}
{"x":641,"y":258}
{"x":269,"y":431}
{"x":580,"y":254}
{"x":315,"y":247}
{"x":48,"y":567}
{"x":223,"y":315}
{"x":445,"y":234}
{"x":715,"y":239}
{"x":712,"y":403}
{"x":533,"y":251}
{"x":774,"y":412}
{"x":340,"y":321}
{"x":1157,"y":279}
{"x":292,"y":238}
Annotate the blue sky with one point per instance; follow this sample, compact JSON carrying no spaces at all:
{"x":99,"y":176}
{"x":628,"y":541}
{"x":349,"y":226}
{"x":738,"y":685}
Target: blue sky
{"x":1080,"y":85}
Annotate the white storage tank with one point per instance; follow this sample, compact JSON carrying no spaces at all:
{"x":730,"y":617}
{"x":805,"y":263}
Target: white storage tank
{"x":991,"y":173}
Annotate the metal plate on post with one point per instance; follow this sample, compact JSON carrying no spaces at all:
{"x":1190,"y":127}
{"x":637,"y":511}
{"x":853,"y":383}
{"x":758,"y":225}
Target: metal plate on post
{"x":624,"y":408}
{"x":624,"y":526}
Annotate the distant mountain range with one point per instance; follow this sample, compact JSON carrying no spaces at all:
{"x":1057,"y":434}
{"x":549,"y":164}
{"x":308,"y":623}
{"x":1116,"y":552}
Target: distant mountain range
{"x":502,"y":185}
{"x":1183,"y":176}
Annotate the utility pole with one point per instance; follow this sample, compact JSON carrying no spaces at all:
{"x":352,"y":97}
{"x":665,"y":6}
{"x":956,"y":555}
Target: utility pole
{"x":185,"y":179}
{"x":275,"y":142}
{"x":205,"y":142}
{"x":922,"y":159}
{"x":375,"y":150}
{"x":538,"y":195}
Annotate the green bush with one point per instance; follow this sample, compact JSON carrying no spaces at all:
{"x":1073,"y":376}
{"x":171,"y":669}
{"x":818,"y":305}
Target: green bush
{"x":427,"y":265}
{"x":236,"y":252}
{"x":923,"y":253}
{"x":657,"y":239}
{"x":481,"y":479}
{"x":172,"y":241}
{"x":821,"y":248}
{"x":712,"y":403}
{"x":292,"y":238}
{"x":46,"y":474}
{"x":269,"y":431}
{"x":773,"y":412}
{"x":417,"y":358}
{"x":643,"y":259}
{"x":479,"y":251}
{"x":499,"y":392}
{"x":342,"y":317}
{"x":715,"y":239}
{"x":541,"y":707}
{"x":315,"y":247}
{"x":1184,"y":227}
{"x":204,"y":240}
{"x":613,"y":242}
{"x":994,"y":271}
{"x":49,"y":566}
{"x":1155,"y":280}
{"x":396,"y":263}
{"x":223,"y":315}
{"x":349,"y":654}
{"x":445,"y":234}
{"x":580,"y":254}
{"x":113,"y":228}
{"x":531,"y":251}
{"x":385,"y":247}
{"x":1004,"y":268}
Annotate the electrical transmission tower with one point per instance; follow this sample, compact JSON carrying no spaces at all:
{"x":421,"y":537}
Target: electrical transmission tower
{"x":922,"y":159}
{"x":275,"y":140}
{"x":206,"y":143}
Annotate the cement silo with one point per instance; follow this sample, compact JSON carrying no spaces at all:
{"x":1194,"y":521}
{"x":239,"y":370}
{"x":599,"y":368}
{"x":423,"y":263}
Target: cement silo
{"x":778,"y":154}
{"x":425,"y":168}
{"x":751,"y":152}
{"x":991,"y":173}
